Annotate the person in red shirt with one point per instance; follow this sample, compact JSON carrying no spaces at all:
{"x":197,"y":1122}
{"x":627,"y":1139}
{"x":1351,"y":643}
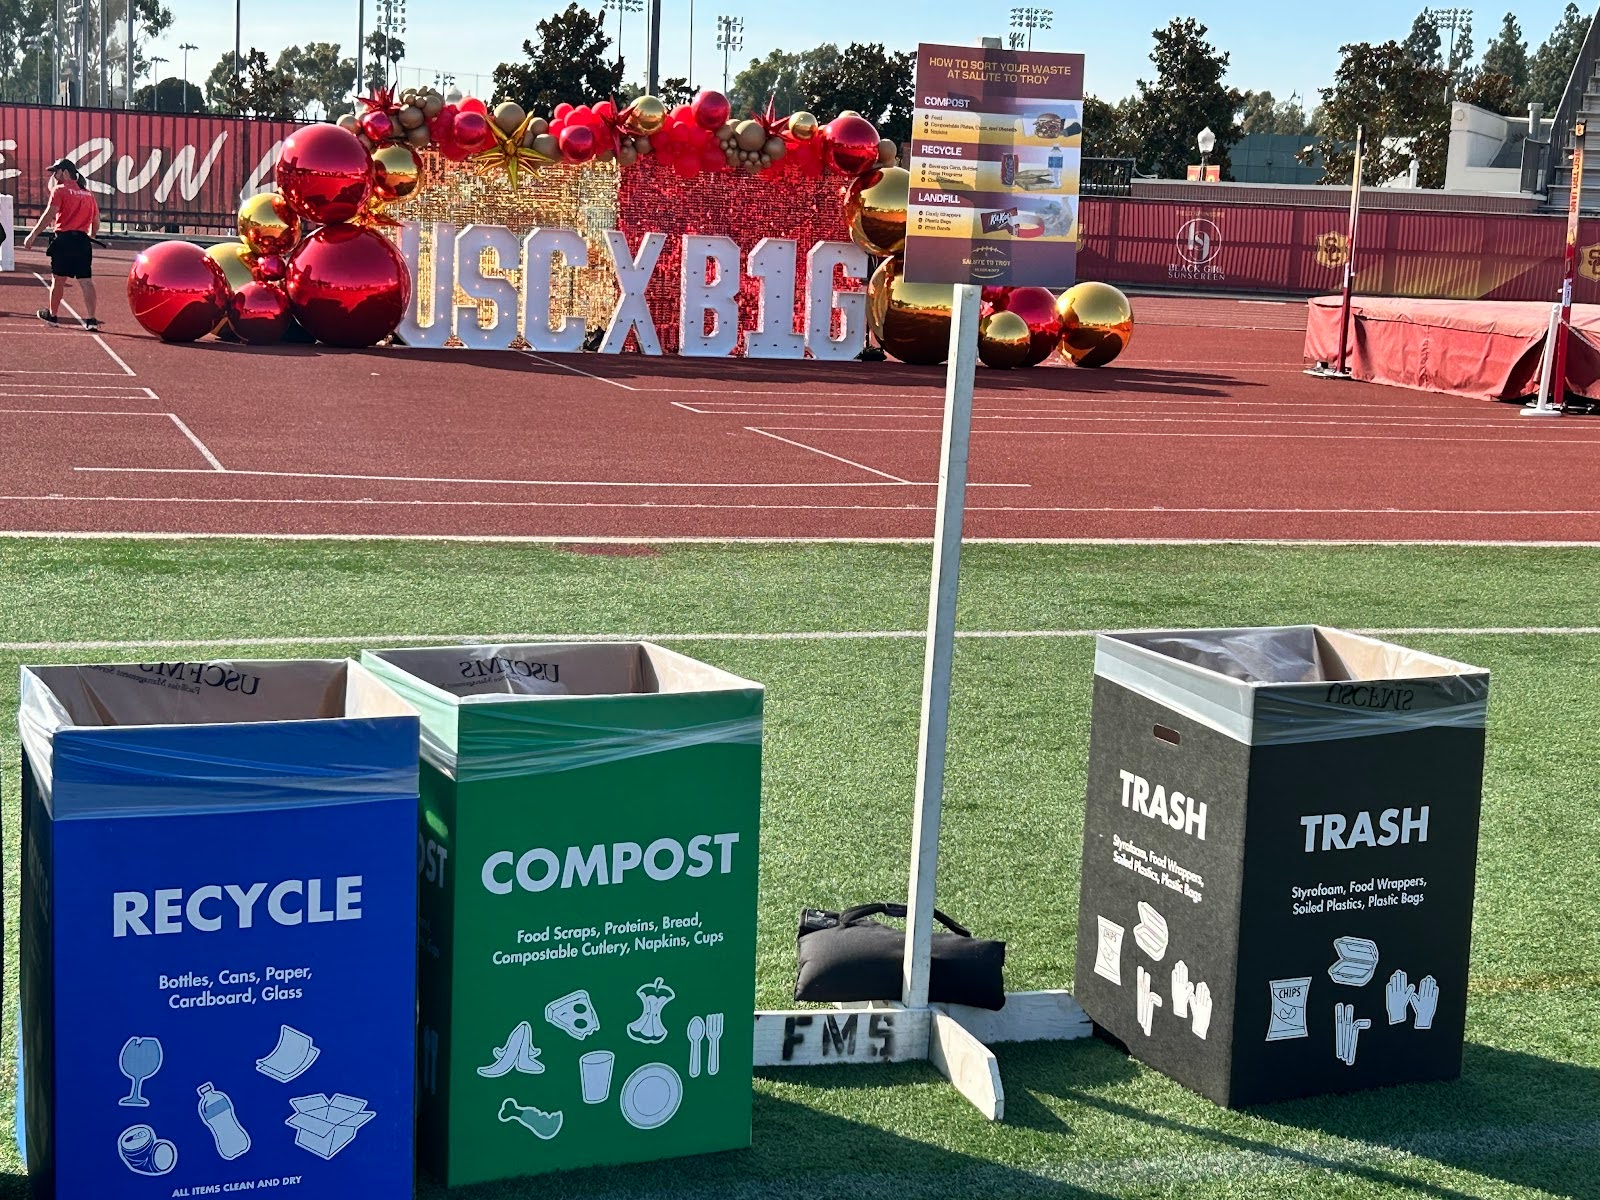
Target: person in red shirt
{"x":76,"y":218}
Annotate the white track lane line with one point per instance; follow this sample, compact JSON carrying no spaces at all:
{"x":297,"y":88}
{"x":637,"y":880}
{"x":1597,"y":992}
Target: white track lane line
{"x":211,"y":458}
{"x":888,"y":481}
{"x":104,"y":345}
{"x":551,"y":362}
{"x":1155,"y":433}
{"x":400,"y":639}
{"x":849,"y":462}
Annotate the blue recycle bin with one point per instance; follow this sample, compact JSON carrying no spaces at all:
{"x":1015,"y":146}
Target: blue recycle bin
{"x":218,"y":944}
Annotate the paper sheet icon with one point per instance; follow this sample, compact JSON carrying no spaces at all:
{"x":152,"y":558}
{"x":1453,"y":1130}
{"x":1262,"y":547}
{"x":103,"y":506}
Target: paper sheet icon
{"x":325,"y":1125}
{"x":290,"y":1058}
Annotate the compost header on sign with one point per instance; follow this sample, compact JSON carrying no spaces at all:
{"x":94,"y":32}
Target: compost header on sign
{"x":995,"y":149}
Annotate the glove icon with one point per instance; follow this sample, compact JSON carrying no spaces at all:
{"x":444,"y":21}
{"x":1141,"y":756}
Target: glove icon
{"x":1346,"y":1031}
{"x":1182,"y":989}
{"x":1425,"y":1002}
{"x":1397,"y":998}
{"x":1200,"y":1008}
{"x":1147,"y":1001}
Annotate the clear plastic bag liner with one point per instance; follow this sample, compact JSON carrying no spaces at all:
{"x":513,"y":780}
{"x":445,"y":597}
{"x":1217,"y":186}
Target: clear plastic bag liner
{"x":327,"y":733}
{"x":1295,"y":684}
{"x":522,"y":726}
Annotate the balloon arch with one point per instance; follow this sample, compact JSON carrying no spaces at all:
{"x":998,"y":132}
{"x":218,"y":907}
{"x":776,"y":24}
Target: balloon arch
{"x":316,"y":259}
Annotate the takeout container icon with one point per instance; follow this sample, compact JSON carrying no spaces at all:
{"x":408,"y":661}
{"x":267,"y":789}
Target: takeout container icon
{"x":325,"y":1125}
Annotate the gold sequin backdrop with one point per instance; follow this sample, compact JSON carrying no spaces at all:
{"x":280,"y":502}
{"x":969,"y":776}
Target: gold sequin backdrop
{"x":557,"y":197}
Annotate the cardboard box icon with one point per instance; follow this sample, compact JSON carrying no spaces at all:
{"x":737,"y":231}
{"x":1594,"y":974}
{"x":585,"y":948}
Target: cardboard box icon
{"x":325,"y":1125}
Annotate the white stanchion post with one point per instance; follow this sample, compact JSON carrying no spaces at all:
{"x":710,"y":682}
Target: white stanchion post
{"x":1543,"y":407}
{"x":941,"y":643}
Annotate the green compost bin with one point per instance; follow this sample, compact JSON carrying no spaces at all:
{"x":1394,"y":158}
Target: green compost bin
{"x":587,"y":859}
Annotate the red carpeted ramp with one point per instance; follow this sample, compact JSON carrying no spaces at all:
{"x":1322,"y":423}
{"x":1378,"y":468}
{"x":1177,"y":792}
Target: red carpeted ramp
{"x":1489,"y":349}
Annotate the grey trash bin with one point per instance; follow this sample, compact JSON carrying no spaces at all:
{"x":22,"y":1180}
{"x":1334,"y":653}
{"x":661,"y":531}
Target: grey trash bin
{"x":1280,"y":842}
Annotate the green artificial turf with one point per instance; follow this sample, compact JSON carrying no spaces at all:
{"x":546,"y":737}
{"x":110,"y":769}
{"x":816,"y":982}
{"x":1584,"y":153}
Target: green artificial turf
{"x":841,"y":736}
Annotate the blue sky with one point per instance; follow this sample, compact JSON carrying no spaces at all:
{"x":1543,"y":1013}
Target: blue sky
{"x":1281,"y":47}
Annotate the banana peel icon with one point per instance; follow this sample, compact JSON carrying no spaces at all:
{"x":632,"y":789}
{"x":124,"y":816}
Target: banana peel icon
{"x":518,"y":1054}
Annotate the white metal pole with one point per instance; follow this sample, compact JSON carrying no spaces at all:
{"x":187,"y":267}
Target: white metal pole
{"x":941,"y":644}
{"x":1542,"y":407}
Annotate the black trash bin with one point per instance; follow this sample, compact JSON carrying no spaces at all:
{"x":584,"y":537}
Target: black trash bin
{"x":1279,"y":852}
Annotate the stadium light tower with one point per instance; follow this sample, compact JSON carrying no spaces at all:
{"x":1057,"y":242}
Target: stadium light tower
{"x":186,"y":47}
{"x":155,"y":61}
{"x":1453,"y":19}
{"x":1030,"y":19}
{"x":621,"y":7}
{"x":730,"y":38}
{"x":391,"y":21}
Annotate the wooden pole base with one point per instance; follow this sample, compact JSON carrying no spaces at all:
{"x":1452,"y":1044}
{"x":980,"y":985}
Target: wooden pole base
{"x":953,"y":1037}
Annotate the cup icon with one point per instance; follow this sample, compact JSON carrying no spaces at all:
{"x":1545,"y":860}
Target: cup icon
{"x":594,"y":1068}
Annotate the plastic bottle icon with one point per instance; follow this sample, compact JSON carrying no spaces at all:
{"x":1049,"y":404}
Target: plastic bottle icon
{"x":216,"y":1110}
{"x":1055,"y":161}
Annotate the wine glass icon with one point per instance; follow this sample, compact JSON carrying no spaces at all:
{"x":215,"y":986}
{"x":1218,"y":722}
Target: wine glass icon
{"x":140,"y":1059}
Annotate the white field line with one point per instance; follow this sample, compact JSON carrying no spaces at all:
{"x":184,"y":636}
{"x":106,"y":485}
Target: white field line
{"x":806,"y":635}
{"x":999,"y":400}
{"x":1208,"y":417}
{"x":550,"y":539}
{"x":104,"y":345}
{"x":16,"y":371}
{"x":79,"y":412}
{"x":849,"y":462}
{"x":23,"y":387}
{"x":198,"y":444}
{"x":551,"y":362}
{"x":889,"y":481}
{"x":1156,"y":433}
{"x":58,"y":498}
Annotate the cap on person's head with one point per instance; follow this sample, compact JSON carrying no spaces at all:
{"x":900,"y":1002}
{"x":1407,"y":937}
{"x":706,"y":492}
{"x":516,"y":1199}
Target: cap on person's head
{"x":64,"y":164}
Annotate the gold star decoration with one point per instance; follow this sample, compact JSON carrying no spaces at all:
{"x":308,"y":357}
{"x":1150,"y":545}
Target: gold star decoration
{"x":508,"y":154}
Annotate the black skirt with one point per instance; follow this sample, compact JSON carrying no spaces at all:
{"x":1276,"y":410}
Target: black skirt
{"x":72,"y":255}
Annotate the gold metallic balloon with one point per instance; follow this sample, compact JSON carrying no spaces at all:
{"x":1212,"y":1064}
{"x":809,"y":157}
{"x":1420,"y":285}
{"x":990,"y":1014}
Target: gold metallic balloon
{"x":803,"y":125}
{"x":1004,"y":341}
{"x":268,"y":225}
{"x":888,"y":152}
{"x":647,"y":115}
{"x":236,"y":261}
{"x":875,"y":210}
{"x":396,"y":172}
{"x":910,"y":320}
{"x":508,"y":115}
{"x":1096,"y":323}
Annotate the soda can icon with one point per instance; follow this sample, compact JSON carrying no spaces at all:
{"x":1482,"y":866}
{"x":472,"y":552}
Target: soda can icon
{"x":1008,"y":169}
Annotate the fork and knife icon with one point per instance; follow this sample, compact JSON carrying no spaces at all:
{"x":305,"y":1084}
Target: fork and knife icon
{"x":706,"y":1029}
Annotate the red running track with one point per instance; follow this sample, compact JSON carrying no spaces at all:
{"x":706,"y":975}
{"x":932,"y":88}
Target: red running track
{"x":1206,"y":429}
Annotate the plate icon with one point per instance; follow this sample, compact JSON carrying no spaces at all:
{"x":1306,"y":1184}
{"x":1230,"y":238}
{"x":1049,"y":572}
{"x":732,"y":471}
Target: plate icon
{"x":651,"y":1096}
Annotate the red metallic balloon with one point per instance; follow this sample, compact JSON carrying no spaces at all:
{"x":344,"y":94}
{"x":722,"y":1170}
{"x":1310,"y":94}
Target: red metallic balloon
{"x":378,"y":125}
{"x":177,"y":291}
{"x":471,"y":131}
{"x":348,"y":286}
{"x":1036,"y":306}
{"x":474,"y":105}
{"x":711,"y":110}
{"x":995,"y":298}
{"x":577,"y":143}
{"x":851,"y":143}
{"x":259,"y":313}
{"x":325,"y":173}
{"x":270,"y":266}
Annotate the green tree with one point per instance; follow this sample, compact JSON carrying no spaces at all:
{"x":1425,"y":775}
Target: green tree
{"x":1260,"y":112}
{"x":1400,"y":105}
{"x":1491,"y":90}
{"x":866,"y":78}
{"x":1424,"y":43}
{"x":262,"y":90}
{"x":1507,"y":54}
{"x":566,"y":62}
{"x":322,"y":80}
{"x":383,"y":55}
{"x":1552,"y":63}
{"x":1186,"y":96}
{"x":1108,"y":128}
{"x":778,"y":77}
{"x":171,"y":96}
{"x":676,"y":91}
{"x":26,"y":45}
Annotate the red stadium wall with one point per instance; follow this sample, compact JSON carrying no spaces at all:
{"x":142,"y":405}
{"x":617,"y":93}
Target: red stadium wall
{"x":148,"y":169}
{"x":153,"y":170}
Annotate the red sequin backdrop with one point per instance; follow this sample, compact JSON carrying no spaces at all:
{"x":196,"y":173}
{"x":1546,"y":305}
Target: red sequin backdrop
{"x":743,"y":208}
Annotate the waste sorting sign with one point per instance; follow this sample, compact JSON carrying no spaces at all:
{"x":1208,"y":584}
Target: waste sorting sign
{"x":588,"y":861}
{"x":1279,"y":858}
{"x":218,"y":931}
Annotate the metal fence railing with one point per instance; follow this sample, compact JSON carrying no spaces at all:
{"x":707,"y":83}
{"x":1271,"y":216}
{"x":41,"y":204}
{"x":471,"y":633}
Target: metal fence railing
{"x":184,"y":172}
{"x":1105,"y":177}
